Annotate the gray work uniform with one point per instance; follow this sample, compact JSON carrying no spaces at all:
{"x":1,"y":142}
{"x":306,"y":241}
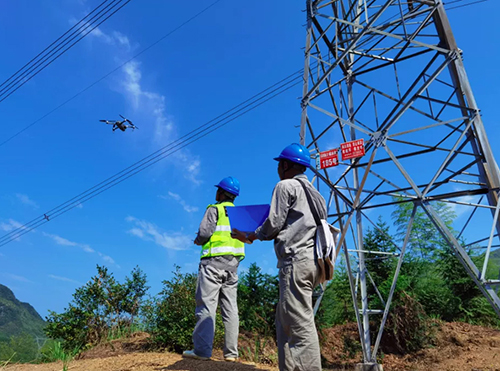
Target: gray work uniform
{"x":292,"y":226}
{"x":217,"y":284}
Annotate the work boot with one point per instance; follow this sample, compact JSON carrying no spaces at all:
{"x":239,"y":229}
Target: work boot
{"x":192,"y":354}
{"x":230,"y":359}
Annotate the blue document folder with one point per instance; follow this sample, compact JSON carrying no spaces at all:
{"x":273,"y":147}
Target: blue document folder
{"x":247,"y":218}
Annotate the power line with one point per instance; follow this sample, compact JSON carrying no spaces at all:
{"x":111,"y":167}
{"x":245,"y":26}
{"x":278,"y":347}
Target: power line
{"x":56,"y":52}
{"x":111,"y":72}
{"x":44,"y":50}
{"x":189,"y":138}
{"x":464,"y":5}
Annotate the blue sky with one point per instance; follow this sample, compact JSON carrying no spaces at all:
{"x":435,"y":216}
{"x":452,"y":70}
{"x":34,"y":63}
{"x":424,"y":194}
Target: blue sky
{"x":231,"y":52}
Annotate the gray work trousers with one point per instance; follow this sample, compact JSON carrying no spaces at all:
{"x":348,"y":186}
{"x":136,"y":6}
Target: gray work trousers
{"x":216,"y":286}
{"x":298,"y":345}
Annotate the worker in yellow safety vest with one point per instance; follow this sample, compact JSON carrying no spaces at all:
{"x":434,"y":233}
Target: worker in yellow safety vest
{"x":217,"y":276}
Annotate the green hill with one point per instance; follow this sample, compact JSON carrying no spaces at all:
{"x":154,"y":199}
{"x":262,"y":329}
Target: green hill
{"x":17,"y":318}
{"x":495,"y":258}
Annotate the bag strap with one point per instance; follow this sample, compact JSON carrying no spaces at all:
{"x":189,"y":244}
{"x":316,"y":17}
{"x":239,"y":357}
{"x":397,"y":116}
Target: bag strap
{"x":310,"y":202}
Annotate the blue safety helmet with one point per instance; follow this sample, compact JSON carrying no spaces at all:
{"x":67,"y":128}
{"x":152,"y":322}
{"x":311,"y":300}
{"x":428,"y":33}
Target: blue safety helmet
{"x":296,"y":153}
{"x":230,"y":184}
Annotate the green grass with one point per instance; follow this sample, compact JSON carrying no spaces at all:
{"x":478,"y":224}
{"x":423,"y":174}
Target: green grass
{"x":54,"y":352}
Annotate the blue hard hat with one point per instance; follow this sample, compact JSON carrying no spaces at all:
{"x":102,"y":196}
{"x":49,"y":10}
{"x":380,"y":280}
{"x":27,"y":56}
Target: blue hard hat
{"x":230,"y":184}
{"x":296,"y":153}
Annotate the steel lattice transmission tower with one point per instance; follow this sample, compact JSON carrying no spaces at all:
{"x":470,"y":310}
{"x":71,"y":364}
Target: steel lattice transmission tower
{"x":390,"y":72}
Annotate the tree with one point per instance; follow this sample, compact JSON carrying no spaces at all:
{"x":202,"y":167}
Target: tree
{"x":425,"y":240}
{"x":102,"y":307}
{"x":257,"y":300}
{"x":380,"y":267}
{"x":336,"y":306}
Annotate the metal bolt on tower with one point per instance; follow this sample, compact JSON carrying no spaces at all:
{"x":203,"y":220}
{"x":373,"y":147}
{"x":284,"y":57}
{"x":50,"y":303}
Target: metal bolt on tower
{"x":390,"y":72}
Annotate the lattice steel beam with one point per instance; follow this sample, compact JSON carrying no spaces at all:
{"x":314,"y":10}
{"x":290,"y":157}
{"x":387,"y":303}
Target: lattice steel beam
{"x":390,"y":72}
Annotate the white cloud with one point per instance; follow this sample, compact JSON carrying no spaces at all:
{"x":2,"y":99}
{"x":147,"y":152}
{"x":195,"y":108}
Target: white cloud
{"x":65,"y":242}
{"x":164,"y":128}
{"x":181,"y":201}
{"x":114,"y":38}
{"x":458,"y":209}
{"x":11,"y":225}
{"x":25,"y":200}
{"x":59,"y":278}
{"x":15,"y":277}
{"x":148,"y":231}
{"x":149,"y":106}
{"x":137,"y":232}
{"x":122,"y":39}
{"x":107,"y":259}
{"x":60,"y":240}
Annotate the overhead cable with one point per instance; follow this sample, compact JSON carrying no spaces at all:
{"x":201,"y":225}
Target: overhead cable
{"x":111,"y":72}
{"x":189,"y":138}
{"x":464,"y":5}
{"x":53,"y":52}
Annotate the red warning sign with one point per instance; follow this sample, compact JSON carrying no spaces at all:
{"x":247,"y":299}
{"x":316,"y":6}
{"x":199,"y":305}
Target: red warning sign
{"x":329,"y":158}
{"x":353,"y":149}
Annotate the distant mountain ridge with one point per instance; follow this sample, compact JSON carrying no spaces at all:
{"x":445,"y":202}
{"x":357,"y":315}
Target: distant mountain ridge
{"x":16,"y":317}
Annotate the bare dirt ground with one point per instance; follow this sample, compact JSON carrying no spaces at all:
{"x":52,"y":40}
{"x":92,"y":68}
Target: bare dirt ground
{"x":142,"y":362}
{"x":456,"y":347}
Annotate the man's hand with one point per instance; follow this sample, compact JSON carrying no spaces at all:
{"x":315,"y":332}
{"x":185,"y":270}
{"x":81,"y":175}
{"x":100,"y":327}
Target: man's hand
{"x":196,"y":242}
{"x":247,"y":238}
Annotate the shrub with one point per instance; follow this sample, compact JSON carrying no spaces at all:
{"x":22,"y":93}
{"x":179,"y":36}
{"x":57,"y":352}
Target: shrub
{"x":170,"y":318}
{"x":100,"y":308}
{"x":21,"y":348}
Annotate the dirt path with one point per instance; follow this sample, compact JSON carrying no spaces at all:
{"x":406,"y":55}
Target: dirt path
{"x":142,"y":362}
{"x":456,"y":347}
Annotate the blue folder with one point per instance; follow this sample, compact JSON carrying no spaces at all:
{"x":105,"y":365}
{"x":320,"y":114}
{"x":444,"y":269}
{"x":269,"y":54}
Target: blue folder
{"x":247,"y":218}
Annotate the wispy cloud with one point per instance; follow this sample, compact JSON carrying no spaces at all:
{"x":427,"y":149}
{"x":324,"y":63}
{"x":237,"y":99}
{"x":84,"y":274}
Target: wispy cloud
{"x":152,"y":103}
{"x":149,"y":106}
{"x":107,"y":258}
{"x":12,"y":225}
{"x":181,"y":201}
{"x":148,"y":231}
{"x":15,"y":277}
{"x":458,"y":209}
{"x":65,"y":242}
{"x":114,"y":38}
{"x":85,"y":247}
{"x":64,"y":279}
{"x":25,"y":200}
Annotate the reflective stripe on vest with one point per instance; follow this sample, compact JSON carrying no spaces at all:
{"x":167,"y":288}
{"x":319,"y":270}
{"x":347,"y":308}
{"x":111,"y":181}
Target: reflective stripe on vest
{"x":221,"y":242}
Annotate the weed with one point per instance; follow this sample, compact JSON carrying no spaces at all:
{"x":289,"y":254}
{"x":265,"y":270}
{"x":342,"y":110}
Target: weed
{"x":55,"y":352}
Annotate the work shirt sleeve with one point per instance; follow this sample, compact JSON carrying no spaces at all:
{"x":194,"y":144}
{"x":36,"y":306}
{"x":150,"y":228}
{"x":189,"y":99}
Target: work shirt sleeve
{"x":280,"y":204}
{"x":207,"y":226}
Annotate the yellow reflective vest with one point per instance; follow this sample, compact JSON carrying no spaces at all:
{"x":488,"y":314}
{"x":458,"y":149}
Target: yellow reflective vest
{"x":221,"y":242}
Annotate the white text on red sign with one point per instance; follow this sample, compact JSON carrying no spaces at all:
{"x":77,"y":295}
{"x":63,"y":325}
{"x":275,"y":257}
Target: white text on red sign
{"x":328,"y":159}
{"x":353,"y":149}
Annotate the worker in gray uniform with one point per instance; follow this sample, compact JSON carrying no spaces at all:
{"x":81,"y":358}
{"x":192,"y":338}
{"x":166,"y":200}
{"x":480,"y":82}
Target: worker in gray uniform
{"x":292,"y":226}
{"x":217,"y":276}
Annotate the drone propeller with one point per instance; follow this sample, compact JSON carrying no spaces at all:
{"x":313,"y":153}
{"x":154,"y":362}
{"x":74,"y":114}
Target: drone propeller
{"x":103,"y":120}
{"x":122,"y":117}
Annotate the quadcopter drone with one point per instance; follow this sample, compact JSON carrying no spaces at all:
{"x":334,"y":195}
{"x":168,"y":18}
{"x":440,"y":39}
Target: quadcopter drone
{"x":122,"y":125}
